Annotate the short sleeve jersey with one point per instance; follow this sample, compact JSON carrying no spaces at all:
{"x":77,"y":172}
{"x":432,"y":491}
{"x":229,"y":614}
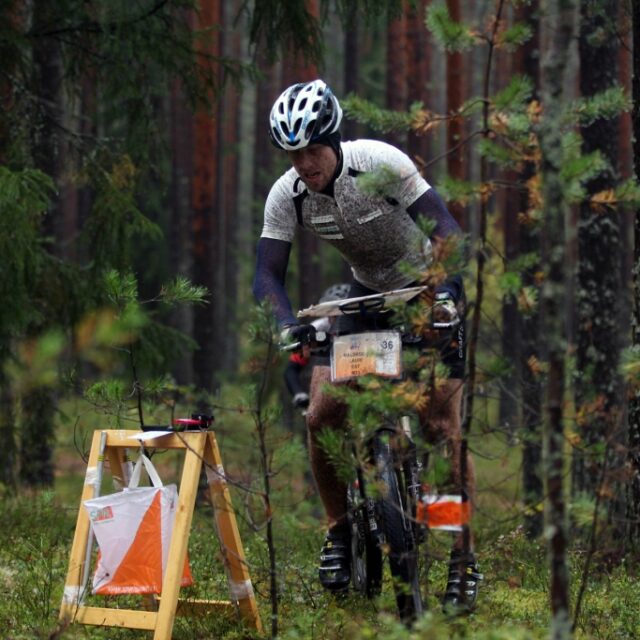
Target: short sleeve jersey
{"x":374,"y":233}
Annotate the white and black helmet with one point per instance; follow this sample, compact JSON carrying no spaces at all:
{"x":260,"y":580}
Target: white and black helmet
{"x":302,"y":114}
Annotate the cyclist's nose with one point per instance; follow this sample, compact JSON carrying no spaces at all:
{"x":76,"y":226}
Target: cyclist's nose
{"x":303,"y":160}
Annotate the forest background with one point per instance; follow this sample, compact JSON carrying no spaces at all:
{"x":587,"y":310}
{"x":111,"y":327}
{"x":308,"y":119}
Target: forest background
{"x":135,"y":164}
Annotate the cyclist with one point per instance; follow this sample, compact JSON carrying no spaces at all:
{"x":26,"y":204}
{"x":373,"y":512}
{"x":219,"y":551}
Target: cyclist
{"x":378,"y":236}
{"x":294,"y":373}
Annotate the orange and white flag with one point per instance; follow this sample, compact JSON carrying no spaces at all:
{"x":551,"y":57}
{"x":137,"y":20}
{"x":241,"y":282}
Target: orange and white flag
{"x":446,"y":512}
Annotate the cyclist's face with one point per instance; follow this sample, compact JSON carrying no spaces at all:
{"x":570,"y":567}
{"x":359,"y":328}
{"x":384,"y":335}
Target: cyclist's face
{"x":315,"y":164}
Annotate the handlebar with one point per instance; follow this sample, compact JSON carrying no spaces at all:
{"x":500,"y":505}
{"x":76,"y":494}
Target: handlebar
{"x":322,"y":339}
{"x":377,"y":303}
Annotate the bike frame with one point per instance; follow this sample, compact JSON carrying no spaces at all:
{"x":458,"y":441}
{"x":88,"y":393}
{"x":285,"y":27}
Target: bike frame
{"x":384,"y":522}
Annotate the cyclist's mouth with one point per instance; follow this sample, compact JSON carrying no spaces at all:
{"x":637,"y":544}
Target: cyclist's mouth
{"x":315,"y":181}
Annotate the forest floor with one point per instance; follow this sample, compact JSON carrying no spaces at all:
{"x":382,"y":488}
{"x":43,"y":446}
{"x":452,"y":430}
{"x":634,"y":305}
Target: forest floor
{"x":37,"y":530}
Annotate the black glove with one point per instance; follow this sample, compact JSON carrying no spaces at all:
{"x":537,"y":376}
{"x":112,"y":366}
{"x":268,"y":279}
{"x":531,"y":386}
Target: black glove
{"x":444,"y":313}
{"x":301,"y":400}
{"x":302,"y":333}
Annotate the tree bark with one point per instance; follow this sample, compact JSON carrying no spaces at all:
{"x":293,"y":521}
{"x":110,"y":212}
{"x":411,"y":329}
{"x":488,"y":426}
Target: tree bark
{"x":558,"y":21}
{"x":205,"y":218}
{"x":509,"y":201}
{"x":455,"y":128}
{"x":37,"y":431}
{"x":308,"y":246}
{"x":599,"y":246}
{"x":418,"y":77}
{"x":228,"y":237}
{"x":531,"y":382}
{"x":350,"y":128}
{"x":180,"y":240}
{"x":633,"y":491}
{"x":397,"y":72}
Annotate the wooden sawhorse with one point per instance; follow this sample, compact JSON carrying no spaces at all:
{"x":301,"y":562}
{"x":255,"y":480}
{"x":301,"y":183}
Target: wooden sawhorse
{"x":200,"y":448}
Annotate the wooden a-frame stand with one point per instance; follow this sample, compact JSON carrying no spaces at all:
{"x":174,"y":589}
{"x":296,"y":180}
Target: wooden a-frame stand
{"x":200,"y":447}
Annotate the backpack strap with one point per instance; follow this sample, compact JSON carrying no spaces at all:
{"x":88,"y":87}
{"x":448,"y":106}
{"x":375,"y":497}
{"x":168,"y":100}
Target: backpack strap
{"x":298,"y":199}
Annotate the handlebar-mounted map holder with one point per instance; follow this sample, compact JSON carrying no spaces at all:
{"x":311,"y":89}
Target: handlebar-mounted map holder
{"x":373,"y":301}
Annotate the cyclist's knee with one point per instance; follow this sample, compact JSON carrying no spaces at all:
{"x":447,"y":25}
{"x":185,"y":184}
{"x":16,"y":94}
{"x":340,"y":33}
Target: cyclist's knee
{"x":324,"y":413}
{"x":324,"y":409}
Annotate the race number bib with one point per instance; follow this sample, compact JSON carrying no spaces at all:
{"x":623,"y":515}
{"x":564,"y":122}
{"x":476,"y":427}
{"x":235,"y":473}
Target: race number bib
{"x":374,"y":353}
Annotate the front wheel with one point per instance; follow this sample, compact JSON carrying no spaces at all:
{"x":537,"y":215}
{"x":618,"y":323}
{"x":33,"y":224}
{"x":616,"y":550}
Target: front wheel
{"x":398,"y":528}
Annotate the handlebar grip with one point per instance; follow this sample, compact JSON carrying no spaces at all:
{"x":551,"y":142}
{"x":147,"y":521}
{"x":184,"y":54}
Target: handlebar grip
{"x":446,"y":325}
{"x":293,"y":346}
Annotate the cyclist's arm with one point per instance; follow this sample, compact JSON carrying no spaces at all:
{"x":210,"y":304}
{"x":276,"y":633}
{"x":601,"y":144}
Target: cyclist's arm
{"x":268,"y":282}
{"x":432,"y":206}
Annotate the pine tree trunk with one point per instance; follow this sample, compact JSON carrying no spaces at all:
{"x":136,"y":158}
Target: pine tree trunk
{"x":455,"y":129}
{"x":38,"y":405}
{"x":633,"y":491}
{"x":418,"y":76}
{"x":8,"y":448}
{"x":559,"y":21}
{"x":205,"y":217}
{"x":397,"y":72}
{"x":350,"y":128}
{"x":309,"y":247}
{"x":599,"y":327}
{"x":531,"y":383}
{"x":228,"y":240}
{"x":36,"y":438}
{"x":509,"y":201}
{"x":180,"y":241}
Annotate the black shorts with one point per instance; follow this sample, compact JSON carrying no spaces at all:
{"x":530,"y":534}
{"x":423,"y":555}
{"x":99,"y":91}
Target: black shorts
{"x":452,"y":347}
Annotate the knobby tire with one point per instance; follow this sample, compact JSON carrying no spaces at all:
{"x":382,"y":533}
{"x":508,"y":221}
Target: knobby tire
{"x":398,"y":530}
{"x":366,"y":555}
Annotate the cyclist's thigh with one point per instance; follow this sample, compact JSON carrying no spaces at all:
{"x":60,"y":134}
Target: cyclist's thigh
{"x":324,"y":409}
{"x":442,"y":418}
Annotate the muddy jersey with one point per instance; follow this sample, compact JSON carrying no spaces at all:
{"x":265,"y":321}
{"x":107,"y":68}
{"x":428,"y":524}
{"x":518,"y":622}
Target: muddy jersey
{"x":373,"y":232}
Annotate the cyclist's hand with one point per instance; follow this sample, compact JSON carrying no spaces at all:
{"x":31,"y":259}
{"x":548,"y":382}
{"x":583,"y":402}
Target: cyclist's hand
{"x":299,"y":337}
{"x":444,"y":314}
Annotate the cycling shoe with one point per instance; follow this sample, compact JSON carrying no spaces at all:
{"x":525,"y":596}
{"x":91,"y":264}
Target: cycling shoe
{"x":335,"y":559}
{"x":462,"y":584}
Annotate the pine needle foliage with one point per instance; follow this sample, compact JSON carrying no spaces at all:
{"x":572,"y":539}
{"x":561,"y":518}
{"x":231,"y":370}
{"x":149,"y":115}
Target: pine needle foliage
{"x":607,"y":104}
{"x":451,"y":35}
{"x":515,"y":36}
{"x":284,"y":26}
{"x":383,"y":120}
{"x":24,"y":199}
{"x":130,"y":49}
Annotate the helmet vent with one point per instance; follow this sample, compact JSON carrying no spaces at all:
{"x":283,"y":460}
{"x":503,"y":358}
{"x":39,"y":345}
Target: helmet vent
{"x":303,"y":113}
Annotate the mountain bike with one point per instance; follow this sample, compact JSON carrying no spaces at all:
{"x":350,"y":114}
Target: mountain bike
{"x":384,"y":493}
